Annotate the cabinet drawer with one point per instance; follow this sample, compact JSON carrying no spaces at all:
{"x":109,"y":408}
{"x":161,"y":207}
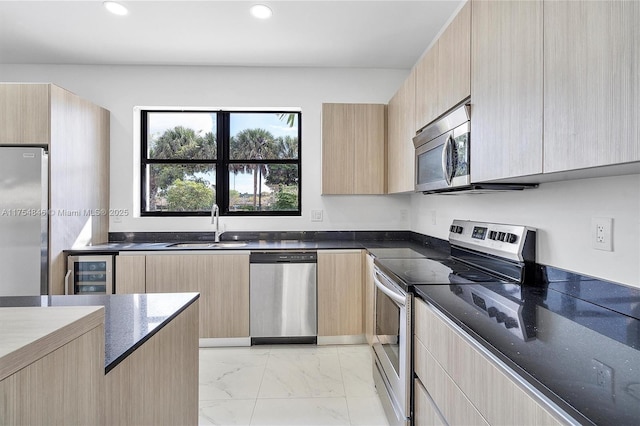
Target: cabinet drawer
{"x":489,"y":385}
{"x":425,"y":412}
{"x":452,"y":402}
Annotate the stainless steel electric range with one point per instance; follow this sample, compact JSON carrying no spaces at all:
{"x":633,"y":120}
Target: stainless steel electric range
{"x":488,"y":264}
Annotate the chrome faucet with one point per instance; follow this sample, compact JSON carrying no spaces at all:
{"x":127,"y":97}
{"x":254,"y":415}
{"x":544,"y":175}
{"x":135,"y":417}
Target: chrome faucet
{"x":215,"y":220}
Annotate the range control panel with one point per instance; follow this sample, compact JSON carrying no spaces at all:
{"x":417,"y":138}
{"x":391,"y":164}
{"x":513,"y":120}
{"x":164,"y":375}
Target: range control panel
{"x":510,"y":312}
{"x":513,"y":242}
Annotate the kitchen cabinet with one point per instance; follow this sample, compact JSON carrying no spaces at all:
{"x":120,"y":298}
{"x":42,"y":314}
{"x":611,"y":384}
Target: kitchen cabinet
{"x":340,"y":289}
{"x":443,"y":74}
{"x":52,"y":366}
{"x":468,"y":386}
{"x":130,"y":274}
{"x":221,"y":278}
{"x":353,"y":148}
{"x":591,"y":84}
{"x":76,"y":133}
{"x":506,"y":89}
{"x":401,"y":130}
{"x":425,"y":411}
{"x":454,"y":61}
{"x":157,"y":384}
{"x":427,"y":88}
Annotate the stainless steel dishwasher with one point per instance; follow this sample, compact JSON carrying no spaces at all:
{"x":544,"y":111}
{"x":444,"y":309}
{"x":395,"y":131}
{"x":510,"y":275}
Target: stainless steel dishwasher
{"x":283,"y":297}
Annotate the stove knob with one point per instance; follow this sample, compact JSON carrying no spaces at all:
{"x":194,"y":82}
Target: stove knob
{"x":492,"y":312}
{"x":501,"y":236}
{"x":501,"y":317}
{"x":452,"y":228}
{"x":511,"y":238}
{"x":511,"y":323}
{"x":493,"y":235}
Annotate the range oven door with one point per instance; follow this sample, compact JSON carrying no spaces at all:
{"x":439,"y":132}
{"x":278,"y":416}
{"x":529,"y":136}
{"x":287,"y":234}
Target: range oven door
{"x":392,"y":347}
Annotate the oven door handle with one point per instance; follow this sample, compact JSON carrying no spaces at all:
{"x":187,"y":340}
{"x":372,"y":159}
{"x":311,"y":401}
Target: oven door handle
{"x":447,"y":159}
{"x":398,"y":298}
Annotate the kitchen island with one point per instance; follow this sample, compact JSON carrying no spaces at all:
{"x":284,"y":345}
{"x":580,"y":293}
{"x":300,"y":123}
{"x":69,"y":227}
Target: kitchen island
{"x":147,"y":357}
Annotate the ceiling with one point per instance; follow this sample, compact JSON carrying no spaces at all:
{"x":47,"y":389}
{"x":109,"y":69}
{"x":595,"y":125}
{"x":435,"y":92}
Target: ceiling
{"x":338,"y":33}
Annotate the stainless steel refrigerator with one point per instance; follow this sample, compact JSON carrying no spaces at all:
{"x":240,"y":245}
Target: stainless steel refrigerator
{"x":24,"y":221}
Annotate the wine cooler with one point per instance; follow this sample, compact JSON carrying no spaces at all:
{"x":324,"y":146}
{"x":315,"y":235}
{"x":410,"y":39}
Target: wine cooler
{"x":89,"y":275}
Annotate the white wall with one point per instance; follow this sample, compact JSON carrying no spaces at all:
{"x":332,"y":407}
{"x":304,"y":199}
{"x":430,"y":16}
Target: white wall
{"x":562,"y":213}
{"x":120,"y":88}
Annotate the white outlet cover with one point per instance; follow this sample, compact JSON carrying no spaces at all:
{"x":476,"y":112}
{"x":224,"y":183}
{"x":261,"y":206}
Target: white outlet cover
{"x":602,"y":233}
{"x":316,"y":215}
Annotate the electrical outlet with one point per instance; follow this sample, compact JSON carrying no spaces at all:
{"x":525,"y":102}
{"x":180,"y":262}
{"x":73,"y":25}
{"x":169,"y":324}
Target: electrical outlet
{"x":316,"y":215}
{"x":603,"y":377}
{"x":601,"y":233}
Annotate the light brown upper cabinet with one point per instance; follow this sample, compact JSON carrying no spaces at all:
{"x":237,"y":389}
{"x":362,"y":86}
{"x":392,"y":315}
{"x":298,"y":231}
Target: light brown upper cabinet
{"x":454,"y":61}
{"x":25,"y":114}
{"x":591,"y":83}
{"x":354,"y":148}
{"x":400,"y":150}
{"x":443,"y":74}
{"x":76,"y":134}
{"x":427,"y":88}
{"x":506,"y":89}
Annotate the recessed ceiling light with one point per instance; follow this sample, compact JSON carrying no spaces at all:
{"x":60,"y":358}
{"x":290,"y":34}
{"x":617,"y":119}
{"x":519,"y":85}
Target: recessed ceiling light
{"x":261,"y":11}
{"x":115,"y":8}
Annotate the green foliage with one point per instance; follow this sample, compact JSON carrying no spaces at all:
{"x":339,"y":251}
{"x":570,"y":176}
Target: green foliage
{"x":189,"y":196}
{"x":286,"y":198}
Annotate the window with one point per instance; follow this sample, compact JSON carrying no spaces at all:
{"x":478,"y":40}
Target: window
{"x":246,"y":162}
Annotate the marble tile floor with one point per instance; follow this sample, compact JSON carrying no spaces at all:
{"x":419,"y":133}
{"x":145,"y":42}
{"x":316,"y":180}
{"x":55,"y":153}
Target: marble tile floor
{"x":288,"y":385}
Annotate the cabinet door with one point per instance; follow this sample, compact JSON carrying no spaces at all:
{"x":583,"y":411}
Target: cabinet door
{"x":401,"y":130}
{"x":353,"y":148}
{"x":591,"y":83}
{"x":454,"y":61}
{"x":369,"y":176}
{"x":427,"y":88}
{"x":130,"y":274}
{"x":340,"y":293}
{"x":221,"y":279}
{"x":24,"y":114}
{"x":338,"y":153}
{"x":506,"y":89}
{"x":425,"y":411}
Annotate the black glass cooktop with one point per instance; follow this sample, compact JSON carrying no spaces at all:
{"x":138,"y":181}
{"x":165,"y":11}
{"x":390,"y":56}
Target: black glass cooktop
{"x":432,"y":272}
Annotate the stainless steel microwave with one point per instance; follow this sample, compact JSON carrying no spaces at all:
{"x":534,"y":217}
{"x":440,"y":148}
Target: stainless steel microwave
{"x":442,"y":152}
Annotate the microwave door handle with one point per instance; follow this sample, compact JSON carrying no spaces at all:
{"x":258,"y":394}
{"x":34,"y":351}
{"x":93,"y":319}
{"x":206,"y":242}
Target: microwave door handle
{"x":446,"y":159}
{"x":399,"y":299}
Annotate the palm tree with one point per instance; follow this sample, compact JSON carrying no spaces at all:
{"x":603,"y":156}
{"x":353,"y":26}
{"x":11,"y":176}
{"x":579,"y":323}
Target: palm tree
{"x":252,"y":144}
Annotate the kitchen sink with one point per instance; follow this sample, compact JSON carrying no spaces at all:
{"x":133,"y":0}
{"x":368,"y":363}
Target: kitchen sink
{"x":222,"y":244}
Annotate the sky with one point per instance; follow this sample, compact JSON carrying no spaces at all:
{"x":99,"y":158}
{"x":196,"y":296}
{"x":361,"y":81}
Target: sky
{"x":203,"y":122}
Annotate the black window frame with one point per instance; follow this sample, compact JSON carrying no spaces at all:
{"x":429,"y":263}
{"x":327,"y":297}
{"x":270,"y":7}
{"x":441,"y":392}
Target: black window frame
{"x":222,"y":162}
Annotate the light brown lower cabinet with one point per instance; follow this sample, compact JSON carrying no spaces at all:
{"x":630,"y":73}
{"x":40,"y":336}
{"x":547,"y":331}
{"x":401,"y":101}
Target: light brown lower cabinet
{"x":465,"y":384}
{"x":425,"y":411}
{"x":340,"y":289}
{"x":64,"y":386}
{"x":158,"y":383}
{"x":130,"y":274}
{"x":221,"y":278}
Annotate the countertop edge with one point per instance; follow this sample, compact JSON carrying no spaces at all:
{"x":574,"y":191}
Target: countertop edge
{"x":83,"y":319}
{"x":140,"y":342}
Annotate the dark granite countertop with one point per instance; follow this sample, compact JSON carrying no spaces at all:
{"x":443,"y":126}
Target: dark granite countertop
{"x":581,"y":327}
{"x":130,"y":319}
{"x":253,"y":241}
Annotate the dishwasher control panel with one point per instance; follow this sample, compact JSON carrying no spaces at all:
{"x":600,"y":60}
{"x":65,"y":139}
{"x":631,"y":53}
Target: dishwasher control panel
{"x":283,"y":257}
